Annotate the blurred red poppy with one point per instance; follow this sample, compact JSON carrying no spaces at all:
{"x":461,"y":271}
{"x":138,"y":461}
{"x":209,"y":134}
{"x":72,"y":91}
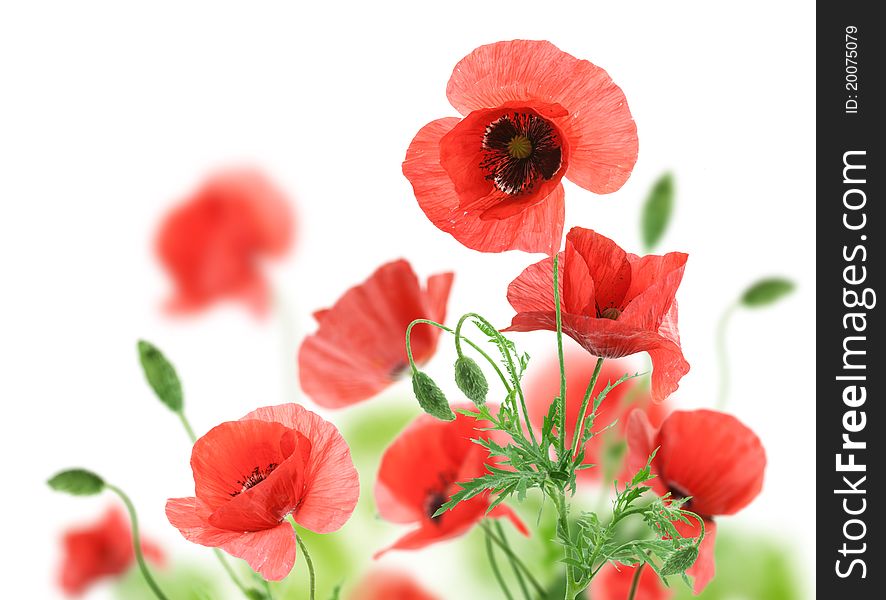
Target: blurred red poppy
{"x":532,"y":114}
{"x":389,"y":585}
{"x":614,"y":583}
{"x":250,"y":474}
{"x":359,"y":348}
{"x":419,"y":472}
{"x":103,"y":549}
{"x":212,"y":243}
{"x":708,"y":456}
{"x":614,"y":304}
{"x":542,"y":385}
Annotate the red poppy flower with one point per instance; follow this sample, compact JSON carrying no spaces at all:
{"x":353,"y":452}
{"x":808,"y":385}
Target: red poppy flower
{"x":249,"y":475}
{"x":100,"y":550}
{"x":614,"y":583}
{"x":532,"y":115}
{"x":359,"y":348}
{"x":211,"y":243}
{"x":613,"y":303}
{"x":419,"y":472}
{"x":389,"y":585}
{"x":542,"y":385}
{"x":706,"y":455}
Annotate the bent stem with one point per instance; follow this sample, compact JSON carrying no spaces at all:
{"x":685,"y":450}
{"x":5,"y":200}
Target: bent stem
{"x":723,"y":356}
{"x":309,"y":562}
{"x":502,"y":542}
{"x":137,"y":544}
{"x":635,"y":582}
{"x":493,"y":564}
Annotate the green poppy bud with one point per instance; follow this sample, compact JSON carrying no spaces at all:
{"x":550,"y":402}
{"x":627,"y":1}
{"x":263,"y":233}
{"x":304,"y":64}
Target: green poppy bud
{"x":77,"y":482}
{"x":430,"y":397}
{"x":471,"y":380}
{"x":679,"y":560}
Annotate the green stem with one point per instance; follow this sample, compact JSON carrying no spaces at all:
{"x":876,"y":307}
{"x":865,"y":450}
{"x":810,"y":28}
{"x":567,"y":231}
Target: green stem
{"x":723,"y":356}
{"x":635,"y":582}
{"x":310,"y":563}
{"x":559,"y":317}
{"x":137,"y":544}
{"x":187,"y":425}
{"x":490,"y":553}
{"x":518,"y":573}
{"x":502,"y":543}
{"x":579,"y":424}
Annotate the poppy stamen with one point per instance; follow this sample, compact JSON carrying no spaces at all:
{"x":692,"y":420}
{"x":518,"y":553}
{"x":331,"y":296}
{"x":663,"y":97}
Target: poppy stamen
{"x":518,"y":150}
{"x":254,"y":478}
{"x":610,"y":313}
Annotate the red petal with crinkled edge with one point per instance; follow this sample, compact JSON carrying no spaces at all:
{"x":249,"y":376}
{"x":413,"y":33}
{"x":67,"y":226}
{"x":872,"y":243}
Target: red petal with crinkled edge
{"x":712,"y":457}
{"x":704,"y":568}
{"x":542,"y":385}
{"x":332,"y":486}
{"x":270,"y":552}
{"x":606,"y":264}
{"x":420,"y":470}
{"x":211,"y":243}
{"x":538,"y":228}
{"x":359,"y":348}
{"x":599,"y":127}
{"x":653,"y":290}
{"x":389,"y":585}
{"x":614,"y":582}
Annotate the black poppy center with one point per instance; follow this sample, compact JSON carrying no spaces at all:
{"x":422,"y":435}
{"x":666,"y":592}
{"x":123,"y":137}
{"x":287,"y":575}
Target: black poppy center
{"x":433,"y":503}
{"x":519,"y":150}
{"x":254,"y":478}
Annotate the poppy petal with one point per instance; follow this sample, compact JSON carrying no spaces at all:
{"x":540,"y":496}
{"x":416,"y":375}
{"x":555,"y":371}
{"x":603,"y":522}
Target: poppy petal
{"x":538,"y":228}
{"x":712,"y":457}
{"x":358,"y":349}
{"x":533,"y":289}
{"x":601,"y":132}
{"x":332,"y":486}
{"x":615,"y":580}
{"x":506,"y":512}
{"x":607,"y":264}
{"x":654,"y":283}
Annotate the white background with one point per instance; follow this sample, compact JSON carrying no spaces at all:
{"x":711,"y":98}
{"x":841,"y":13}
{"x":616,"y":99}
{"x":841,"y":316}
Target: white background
{"x":110,"y":113}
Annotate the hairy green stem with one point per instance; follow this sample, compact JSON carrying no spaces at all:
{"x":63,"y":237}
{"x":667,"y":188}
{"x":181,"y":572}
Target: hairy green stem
{"x":635,"y":582}
{"x":579,"y":424}
{"x":723,"y":355}
{"x":559,"y":319}
{"x":502,"y":543}
{"x":137,"y":544}
{"x":490,"y":553}
{"x":310,"y":563}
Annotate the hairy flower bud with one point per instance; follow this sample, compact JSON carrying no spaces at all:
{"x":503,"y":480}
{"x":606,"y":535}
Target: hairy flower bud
{"x":470,"y":380}
{"x":680,"y":560}
{"x":430,"y":397}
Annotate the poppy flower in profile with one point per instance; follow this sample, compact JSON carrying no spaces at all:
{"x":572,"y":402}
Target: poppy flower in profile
{"x":708,"y":456}
{"x":389,"y":585}
{"x":359,"y":348}
{"x":614,"y":304}
{"x":542,"y":385}
{"x":103,"y":549}
{"x":419,"y":472}
{"x":614,"y":583}
{"x":211,"y":244}
{"x":249,"y":475}
{"x":531,"y":115}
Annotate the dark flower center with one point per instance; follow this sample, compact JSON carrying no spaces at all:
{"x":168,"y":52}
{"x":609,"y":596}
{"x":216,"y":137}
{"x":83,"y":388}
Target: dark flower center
{"x":433,"y":503}
{"x":610,"y":313}
{"x":519,"y":149}
{"x":253,"y":479}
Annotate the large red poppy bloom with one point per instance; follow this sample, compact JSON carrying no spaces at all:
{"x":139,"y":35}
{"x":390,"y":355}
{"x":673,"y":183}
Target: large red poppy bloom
{"x":103,"y":549}
{"x":211,"y":243}
{"x":249,"y":475}
{"x":532,"y":114}
{"x":419,"y":472}
{"x":389,"y":585}
{"x":359,"y":348}
{"x":614,"y":583}
{"x":614,"y":304}
{"x":706,"y":455}
{"x":542,"y":385}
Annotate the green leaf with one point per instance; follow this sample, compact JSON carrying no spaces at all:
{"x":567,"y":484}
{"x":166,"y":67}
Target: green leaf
{"x":657,"y":210}
{"x":767,"y":291}
{"x":77,"y":482}
{"x":430,"y":397}
{"x":470,"y":380}
{"x":161,"y":376}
